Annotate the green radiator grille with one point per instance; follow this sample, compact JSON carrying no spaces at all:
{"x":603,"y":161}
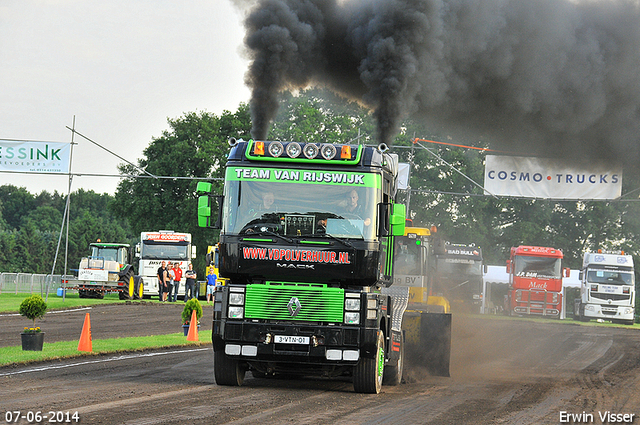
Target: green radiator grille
{"x":317,"y":303}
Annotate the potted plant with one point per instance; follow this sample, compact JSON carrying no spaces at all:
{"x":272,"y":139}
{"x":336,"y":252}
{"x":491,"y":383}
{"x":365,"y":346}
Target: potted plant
{"x":33,"y":308}
{"x":192,"y":305}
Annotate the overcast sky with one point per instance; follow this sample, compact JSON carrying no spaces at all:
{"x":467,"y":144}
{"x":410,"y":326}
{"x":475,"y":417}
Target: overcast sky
{"x":121,"y":68}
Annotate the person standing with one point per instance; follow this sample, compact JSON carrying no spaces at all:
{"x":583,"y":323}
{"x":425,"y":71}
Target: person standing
{"x":211,"y":283}
{"x":190,"y":283}
{"x":161,"y":283}
{"x":177,"y":271}
{"x":169,"y":280}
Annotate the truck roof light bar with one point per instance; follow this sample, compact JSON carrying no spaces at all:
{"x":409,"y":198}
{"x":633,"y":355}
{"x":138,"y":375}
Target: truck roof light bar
{"x":342,"y":154}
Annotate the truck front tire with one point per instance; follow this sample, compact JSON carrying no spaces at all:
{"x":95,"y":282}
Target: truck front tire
{"x":227,"y":370}
{"x":368,"y":373}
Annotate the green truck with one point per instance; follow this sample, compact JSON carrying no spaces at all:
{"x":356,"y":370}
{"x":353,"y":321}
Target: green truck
{"x":308,"y":267}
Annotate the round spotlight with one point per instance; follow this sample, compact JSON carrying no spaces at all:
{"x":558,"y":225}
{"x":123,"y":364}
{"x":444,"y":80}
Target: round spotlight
{"x":293,"y":150}
{"x":310,"y":150}
{"x":275,"y":149}
{"x":328,"y":151}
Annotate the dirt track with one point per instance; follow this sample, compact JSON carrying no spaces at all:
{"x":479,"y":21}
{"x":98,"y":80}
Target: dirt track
{"x":503,"y":371}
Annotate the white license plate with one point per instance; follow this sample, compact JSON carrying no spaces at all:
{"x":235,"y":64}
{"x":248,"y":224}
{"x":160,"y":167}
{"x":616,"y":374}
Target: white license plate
{"x":286,"y":339}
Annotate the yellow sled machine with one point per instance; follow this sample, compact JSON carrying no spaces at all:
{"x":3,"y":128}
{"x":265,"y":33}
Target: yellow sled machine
{"x":427,"y":319}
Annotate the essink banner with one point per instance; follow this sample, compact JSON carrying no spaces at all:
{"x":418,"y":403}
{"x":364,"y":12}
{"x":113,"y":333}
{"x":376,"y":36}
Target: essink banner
{"x":34,"y":157}
{"x":544,"y":178}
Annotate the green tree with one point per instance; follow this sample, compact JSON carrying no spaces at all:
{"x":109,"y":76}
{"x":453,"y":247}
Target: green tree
{"x":17,"y":202}
{"x":320,"y":116}
{"x":194,"y":147}
{"x":30,"y":247}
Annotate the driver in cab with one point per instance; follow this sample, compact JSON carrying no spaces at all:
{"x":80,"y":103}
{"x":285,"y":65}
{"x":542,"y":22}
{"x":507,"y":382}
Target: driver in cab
{"x":355,"y":208}
{"x":266,"y":206}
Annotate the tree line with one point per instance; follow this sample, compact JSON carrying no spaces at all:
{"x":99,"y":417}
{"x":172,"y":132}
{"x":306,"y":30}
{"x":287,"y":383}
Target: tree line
{"x":195,"y":146}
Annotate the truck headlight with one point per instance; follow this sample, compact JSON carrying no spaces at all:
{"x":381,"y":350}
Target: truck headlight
{"x":628,"y":310}
{"x":352,"y":304}
{"x":590,"y":308}
{"x":352,"y":318}
{"x":236,"y":312}
{"x":236,"y":298}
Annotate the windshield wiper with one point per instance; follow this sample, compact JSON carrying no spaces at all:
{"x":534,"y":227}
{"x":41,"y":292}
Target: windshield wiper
{"x":335,"y":238}
{"x":328,"y":235}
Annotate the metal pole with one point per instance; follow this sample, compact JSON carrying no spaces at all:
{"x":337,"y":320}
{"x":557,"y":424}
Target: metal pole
{"x":408,"y":212}
{"x":65,"y":217}
{"x":66,"y":247}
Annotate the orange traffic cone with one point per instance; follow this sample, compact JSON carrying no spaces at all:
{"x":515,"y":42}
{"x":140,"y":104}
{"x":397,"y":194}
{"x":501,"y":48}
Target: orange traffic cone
{"x":85,"y":337}
{"x":193,"y":328}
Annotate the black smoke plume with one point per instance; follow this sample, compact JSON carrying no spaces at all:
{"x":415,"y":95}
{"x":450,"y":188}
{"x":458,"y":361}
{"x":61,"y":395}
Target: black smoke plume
{"x":556,"y":78}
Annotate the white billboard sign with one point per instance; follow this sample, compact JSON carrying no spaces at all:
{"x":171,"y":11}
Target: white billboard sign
{"x":34,"y":157}
{"x":544,"y":178}
{"x":403,"y":175}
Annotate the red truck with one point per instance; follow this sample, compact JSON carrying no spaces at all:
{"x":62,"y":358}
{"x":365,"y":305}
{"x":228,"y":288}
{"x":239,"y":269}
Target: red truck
{"x":535,"y":281}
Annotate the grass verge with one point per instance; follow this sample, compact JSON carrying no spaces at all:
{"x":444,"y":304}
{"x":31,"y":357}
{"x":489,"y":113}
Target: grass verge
{"x":10,"y":303}
{"x":69,"y":349}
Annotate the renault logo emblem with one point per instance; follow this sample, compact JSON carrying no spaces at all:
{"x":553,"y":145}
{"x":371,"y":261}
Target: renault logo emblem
{"x":294,"y":306}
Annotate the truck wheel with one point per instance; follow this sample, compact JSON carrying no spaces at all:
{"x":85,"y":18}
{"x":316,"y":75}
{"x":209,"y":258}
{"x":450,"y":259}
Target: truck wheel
{"x":393,"y":372}
{"x":367,"y":374}
{"x":138,"y":287}
{"x":98,"y":295}
{"x":82,"y":293}
{"x":227,"y":370}
{"x":582,"y":317}
{"x":128,"y":287}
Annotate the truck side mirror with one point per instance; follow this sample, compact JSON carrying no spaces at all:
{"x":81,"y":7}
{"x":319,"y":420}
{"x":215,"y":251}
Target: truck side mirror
{"x":508,"y":266}
{"x":567,"y":272}
{"x":205,"y":187}
{"x":398,"y":221}
{"x":485,"y":268}
{"x":580,"y":275}
{"x":193,"y":251}
{"x":207,"y":204}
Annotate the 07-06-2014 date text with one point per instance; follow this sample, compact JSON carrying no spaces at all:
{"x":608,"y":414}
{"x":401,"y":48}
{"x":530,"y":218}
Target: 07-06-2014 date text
{"x":13,"y":416}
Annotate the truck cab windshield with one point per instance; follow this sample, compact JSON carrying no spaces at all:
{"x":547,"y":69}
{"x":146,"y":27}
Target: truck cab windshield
{"x":459,"y":267}
{"x":609,"y":277}
{"x":164,"y":251}
{"x":540,"y":267}
{"x":298,"y":209}
{"x":109,"y":254}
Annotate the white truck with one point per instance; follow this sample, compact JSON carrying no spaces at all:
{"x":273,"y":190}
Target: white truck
{"x":163,"y":245}
{"x":607,"y":288}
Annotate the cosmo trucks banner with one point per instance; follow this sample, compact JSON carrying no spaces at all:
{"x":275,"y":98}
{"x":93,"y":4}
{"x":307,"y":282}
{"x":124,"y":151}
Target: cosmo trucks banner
{"x":34,"y":157}
{"x":541,"y":178}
